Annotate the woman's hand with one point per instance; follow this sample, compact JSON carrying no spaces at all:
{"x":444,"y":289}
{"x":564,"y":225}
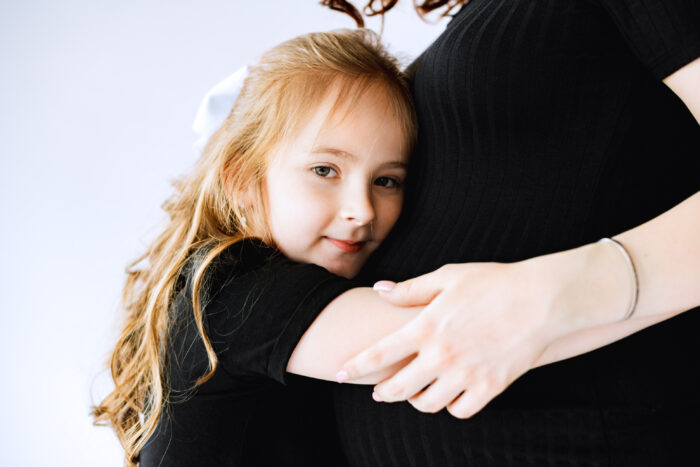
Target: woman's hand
{"x":486,"y":324}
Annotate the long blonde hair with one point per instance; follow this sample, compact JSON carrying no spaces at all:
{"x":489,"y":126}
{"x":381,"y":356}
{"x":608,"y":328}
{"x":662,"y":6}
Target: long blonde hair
{"x":206,"y":213}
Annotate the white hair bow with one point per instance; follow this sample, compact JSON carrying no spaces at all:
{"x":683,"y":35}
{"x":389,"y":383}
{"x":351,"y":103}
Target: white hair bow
{"x":215,"y":107}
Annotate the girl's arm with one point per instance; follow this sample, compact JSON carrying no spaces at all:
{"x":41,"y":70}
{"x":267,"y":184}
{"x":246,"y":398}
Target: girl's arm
{"x":353,"y":321}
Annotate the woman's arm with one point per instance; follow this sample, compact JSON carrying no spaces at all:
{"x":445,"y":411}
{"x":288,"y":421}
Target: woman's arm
{"x":489,"y":323}
{"x":654,"y":242}
{"x":684,"y":83}
{"x":667,"y":256}
{"x":353,"y":321}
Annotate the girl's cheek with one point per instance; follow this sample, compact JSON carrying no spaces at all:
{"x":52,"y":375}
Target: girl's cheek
{"x":306,"y":203}
{"x":314,"y":193}
{"x":391,"y":209}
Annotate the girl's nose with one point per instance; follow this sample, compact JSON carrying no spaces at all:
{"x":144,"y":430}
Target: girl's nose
{"x":358,"y":207}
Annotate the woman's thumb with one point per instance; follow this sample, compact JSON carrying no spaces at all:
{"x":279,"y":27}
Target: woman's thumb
{"x":418,"y":291}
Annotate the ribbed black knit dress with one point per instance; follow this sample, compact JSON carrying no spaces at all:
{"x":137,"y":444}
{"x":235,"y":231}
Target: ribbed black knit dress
{"x":544,"y":125}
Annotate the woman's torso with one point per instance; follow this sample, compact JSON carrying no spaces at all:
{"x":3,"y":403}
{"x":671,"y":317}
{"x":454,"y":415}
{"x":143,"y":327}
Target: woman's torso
{"x":541,"y":128}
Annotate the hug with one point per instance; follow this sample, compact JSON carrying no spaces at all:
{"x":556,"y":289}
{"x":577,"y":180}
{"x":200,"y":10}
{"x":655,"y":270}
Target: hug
{"x":431,"y":238}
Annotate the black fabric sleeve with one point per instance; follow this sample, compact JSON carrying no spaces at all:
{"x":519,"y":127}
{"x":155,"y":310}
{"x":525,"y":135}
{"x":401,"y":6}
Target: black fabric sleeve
{"x":262,"y":303}
{"x":663,"y":34}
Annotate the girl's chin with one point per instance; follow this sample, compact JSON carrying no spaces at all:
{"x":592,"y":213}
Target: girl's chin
{"x":347,"y":271}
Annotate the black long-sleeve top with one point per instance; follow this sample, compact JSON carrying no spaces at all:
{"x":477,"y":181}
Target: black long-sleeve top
{"x":544,"y":125}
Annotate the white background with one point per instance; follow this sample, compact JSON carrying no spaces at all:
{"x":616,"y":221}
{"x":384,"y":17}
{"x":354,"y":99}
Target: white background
{"x":96,"y":102}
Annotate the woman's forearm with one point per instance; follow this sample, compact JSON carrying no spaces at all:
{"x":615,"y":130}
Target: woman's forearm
{"x":666,"y":255}
{"x":593,"y":338}
{"x":665,"y":251}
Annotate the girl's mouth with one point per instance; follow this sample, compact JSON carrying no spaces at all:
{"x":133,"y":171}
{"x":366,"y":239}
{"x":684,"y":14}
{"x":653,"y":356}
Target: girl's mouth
{"x":346,"y":246}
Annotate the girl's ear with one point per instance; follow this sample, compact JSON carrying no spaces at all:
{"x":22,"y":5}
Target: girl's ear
{"x":251,"y":208}
{"x":236,"y":194}
{"x":247,"y":197}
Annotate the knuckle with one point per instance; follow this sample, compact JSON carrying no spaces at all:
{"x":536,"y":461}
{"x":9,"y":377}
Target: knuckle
{"x":493,"y":384}
{"x":425,"y":404}
{"x":446,"y":354}
{"x":375,"y":357}
{"x":407,"y":286}
{"x":454,"y":272}
{"x":488,"y":383}
{"x":420,"y":333}
{"x":458,"y":413}
{"x":351,"y":369}
{"x":427,"y":407}
{"x":419,"y":404}
{"x":427,"y":329}
{"x":466,"y":377}
{"x":394,"y":391}
{"x":434,"y":407}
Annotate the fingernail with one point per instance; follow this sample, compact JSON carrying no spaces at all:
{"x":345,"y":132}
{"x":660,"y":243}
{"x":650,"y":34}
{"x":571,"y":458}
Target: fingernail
{"x":384,"y":286}
{"x":341,"y":376}
{"x":376,"y":397}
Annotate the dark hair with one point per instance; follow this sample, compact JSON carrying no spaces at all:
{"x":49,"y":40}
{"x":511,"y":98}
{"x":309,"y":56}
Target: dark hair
{"x":385,"y":5}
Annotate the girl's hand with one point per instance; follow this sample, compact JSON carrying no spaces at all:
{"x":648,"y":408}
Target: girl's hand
{"x":486,"y":324}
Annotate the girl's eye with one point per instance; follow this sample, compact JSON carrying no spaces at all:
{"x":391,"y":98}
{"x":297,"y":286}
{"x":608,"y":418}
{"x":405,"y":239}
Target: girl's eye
{"x":387,"y":182}
{"x":324,"y":171}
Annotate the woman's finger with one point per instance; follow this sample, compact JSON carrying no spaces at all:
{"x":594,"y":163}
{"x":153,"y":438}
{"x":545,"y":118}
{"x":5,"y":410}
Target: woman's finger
{"x":407,"y":382}
{"x":472,"y":400}
{"x":438,"y":395}
{"x":418,"y":291}
{"x":391,"y":349}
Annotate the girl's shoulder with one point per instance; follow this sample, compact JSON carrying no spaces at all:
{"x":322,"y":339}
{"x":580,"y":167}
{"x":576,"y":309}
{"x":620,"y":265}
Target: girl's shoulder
{"x":249,"y":269}
{"x":245,"y":256}
{"x":256,"y":305}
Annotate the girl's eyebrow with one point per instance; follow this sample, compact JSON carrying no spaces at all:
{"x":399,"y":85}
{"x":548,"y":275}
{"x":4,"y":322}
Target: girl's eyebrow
{"x":348,"y":155}
{"x":334,"y":151}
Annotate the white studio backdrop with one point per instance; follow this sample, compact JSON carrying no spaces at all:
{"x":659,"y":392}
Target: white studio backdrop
{"x":96,"y":102}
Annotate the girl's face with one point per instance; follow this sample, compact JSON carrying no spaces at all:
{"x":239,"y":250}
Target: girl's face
{"x":335,"y":190}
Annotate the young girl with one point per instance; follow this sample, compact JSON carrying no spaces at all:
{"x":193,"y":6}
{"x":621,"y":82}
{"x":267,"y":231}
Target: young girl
{"x":297,"y":188}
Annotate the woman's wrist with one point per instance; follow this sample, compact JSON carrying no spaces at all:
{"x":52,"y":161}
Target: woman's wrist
{"x":587,"y":287}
